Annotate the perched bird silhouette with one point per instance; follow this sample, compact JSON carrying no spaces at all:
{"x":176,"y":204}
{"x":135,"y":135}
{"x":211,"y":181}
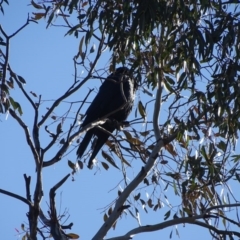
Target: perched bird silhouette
{"x":114,"y":101}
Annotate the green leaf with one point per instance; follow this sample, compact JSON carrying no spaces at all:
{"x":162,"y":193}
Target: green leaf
{"x":181,"y":78}
{"x":35,"y":5}
{"x":125,"y":161}
{"x":105,"y":165}
{"x":93,"y":48}
{"x":128,"y":135}
{"x":1,"y":108}
{"x":175,"y":216}
{"x":72,"y":5}
{"x":71,"y":165}
{"x":237,"y":176}
{"x":168,"y":87}
{"x":1,"y":8}
{"x":170,"y":80}
{"x":50,"y":19}
{"x":175,"y":188}
{"x":80,"y":46}
{"x":188,"y":211}
{"x":109,"y":159}
{"x":21,"y":79}
{"x":137,"y":196}
{"x":16,"y":105}
{"x":105,"y":217}
{"x":145,"y":133}
{"x":142,"y":110}
{"x":167,"y":215}
{"x":222,"y":145}
{"x":73,"y":29}
{"x":236,"y":158}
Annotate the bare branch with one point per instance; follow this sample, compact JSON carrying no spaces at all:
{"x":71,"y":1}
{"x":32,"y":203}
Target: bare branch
{"x":38,"y":193}
{"x":21,"y":28}
{"x":76,"y":117}
{"x":127,"y":191}
{"x":214,"y":229}
{"x":6,"y":57}
{"x":176,"y":221}
{"x":16,"y":196}
{"x":190,"y":220}
{"x":21,"y":87}
{"x":55,"y":227}
{"x":72,"y":89}
{"x":35,"y":107}
{"x":8,"y":46}
{"x":28,"y":137}
{"x":69,"y":141}
{"x":222,"y":206}
{"x":54,"y":137}
{"x":157,"y":108}
{"x":141,"y":175}
{"x":27,"y":183}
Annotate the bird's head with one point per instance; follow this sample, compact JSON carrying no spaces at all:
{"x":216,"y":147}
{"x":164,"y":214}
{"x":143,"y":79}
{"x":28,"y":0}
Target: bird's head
{"x":125,"y":71}
{"x":122,"y":70}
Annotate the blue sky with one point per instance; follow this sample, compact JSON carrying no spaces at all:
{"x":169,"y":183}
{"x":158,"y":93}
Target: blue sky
{"x":44,"y":58}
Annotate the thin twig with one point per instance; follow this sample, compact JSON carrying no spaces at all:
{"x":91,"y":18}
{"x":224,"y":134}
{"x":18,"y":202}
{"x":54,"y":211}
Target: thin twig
{"x":76,"y":118}
{"x":21,"y":28}
{"x":169,"y":223}
{"x":8,"y":46}
{"x":54,"y":138}
{"x":71,"y":139}
{"x":27,"y":183}
{"x":28,"y":137}
{"x":16,"y":196}
{"x":71,"y":90}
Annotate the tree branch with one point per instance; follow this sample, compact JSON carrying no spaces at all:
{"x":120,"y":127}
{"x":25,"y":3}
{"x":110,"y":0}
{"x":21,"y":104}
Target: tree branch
{"x":28,"y":137}
{"x":214,"y":229}
{"x":183,"y":220}
{"x":16,"y":196}
{"x":54,"y":137}
{"x":8,"y":45}
{"x":139,"y":178}
{"x":70,"y":140}
{"x":176,"y":221}
{"x":157,"y":108}
{"x":21,"y":28}
{"x":71,"y":90}
{"x":35,"y":130}
{"x":55,"y":227}
{"x":27,"y":183}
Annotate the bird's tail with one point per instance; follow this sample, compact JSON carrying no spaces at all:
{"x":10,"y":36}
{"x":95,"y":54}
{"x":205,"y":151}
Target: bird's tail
{"x":83,"y":145}
{"x":101,"y":140}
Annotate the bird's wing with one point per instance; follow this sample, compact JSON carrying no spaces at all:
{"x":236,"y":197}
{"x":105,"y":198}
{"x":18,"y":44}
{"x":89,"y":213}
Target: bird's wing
{"x":101,"y":105}
{"x":105,"y":101}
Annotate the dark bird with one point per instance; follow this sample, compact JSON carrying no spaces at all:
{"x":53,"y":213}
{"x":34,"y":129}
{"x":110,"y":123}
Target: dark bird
{"x":114,"y":101}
